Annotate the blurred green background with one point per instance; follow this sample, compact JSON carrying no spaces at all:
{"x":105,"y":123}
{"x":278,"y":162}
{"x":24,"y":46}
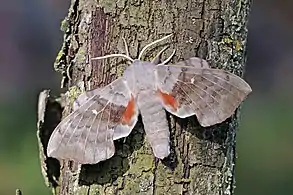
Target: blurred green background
{"x":30,"y":39}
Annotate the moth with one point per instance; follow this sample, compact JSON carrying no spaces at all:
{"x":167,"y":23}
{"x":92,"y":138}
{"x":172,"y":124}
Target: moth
{"x":103,"y":115}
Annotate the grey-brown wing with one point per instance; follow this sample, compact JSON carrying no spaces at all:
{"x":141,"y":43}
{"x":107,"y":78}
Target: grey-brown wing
{"x":99,"y":117}
{"x":211,"y":94}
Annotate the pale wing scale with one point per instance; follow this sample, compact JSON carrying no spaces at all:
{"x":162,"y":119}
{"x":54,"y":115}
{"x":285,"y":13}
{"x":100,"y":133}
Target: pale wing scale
{"x":211,"y":94}
{"x":87,"y":134}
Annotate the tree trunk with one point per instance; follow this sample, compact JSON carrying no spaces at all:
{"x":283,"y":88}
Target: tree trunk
{"x":202,"y":160}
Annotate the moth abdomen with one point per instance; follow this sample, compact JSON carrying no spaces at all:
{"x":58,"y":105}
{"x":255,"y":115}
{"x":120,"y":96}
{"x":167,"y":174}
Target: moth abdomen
{"x":155,"y":123}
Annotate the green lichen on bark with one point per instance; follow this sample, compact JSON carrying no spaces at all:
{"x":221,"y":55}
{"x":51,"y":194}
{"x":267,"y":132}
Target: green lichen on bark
{"x":72,"y":93}
{"x":202,"y":159}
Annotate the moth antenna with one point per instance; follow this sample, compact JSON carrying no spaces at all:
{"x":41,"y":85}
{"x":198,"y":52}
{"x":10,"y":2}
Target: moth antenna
{"x":168,"y":59}
{"x":152,"y":43}
{"x":113,"y":55}
{"x":156,"y":60}
{"x":126,"y":48}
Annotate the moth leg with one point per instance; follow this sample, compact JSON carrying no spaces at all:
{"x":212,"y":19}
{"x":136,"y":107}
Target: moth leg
{"x":169,"y":58}
{"x":152,"y":43}
{"x":157,"y":59}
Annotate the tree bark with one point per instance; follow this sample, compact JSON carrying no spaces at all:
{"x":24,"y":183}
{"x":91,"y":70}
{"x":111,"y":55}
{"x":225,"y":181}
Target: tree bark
{"x":202,"y":160}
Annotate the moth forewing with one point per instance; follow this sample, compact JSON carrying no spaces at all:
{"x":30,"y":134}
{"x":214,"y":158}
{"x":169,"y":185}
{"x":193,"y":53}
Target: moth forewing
{"x":211,"y":94}
{"x":99,"y":116}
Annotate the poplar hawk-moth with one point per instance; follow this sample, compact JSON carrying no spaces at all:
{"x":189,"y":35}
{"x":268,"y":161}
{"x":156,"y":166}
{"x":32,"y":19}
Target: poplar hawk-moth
{"x":103,"y":115}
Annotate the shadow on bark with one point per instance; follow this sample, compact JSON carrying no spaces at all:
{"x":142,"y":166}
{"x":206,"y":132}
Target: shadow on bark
{"x":109,"y":170}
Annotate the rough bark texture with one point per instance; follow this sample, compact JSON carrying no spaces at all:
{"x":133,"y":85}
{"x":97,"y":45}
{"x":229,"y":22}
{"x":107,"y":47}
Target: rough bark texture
{"x":202,"y":160}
